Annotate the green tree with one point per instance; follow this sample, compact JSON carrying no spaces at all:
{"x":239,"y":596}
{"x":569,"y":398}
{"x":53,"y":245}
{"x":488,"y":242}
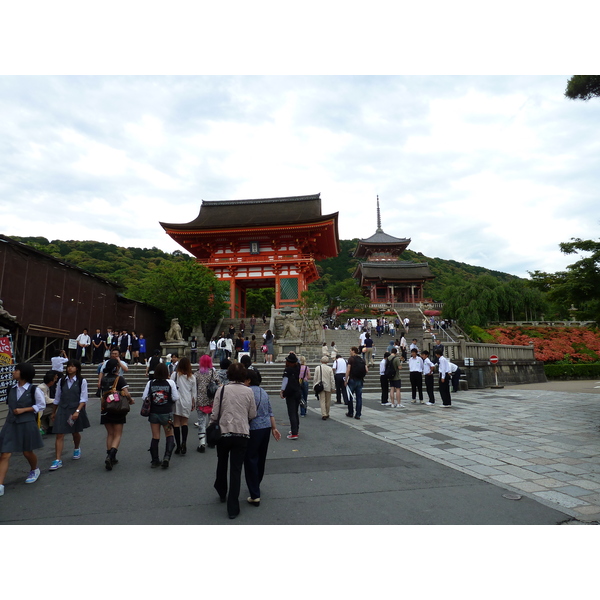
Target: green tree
{"x":259,"y":301}
{"x":183,"y":289}
{"x":583,"y":87}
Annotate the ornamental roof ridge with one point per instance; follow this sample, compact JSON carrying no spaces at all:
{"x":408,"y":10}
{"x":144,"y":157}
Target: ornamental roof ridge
{"x":393,"y":263}
{"x":262,"y":200}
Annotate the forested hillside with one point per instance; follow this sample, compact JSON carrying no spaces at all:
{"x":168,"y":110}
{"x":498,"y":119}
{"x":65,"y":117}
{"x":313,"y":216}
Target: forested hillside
{"x":128,"y":266}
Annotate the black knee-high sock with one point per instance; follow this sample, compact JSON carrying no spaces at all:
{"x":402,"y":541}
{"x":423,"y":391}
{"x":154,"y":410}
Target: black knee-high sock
{"x":184,"y":433}
{"x":154,"y":449}
{"x":177,"y":434}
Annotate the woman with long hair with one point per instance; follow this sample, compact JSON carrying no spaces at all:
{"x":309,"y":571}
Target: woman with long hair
{"x":20,"y":432}
{"x":69,"y":411}
{"x":205,"y":374}
{"x":186,"y":386}
{"x":304,"y":379}
{"x":269,"y":339}
{"x":113,"y":422}
{"x":290,"y":390}
{"x":234,"y":408}
{"x":163,"y":395}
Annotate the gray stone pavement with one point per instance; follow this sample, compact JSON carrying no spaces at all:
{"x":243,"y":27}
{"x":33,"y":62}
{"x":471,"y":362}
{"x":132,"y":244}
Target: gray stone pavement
{"x":535,"y":440}
{"x":417,"y":465}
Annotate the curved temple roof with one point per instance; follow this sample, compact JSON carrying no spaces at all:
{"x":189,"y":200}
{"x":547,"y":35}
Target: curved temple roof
{"x":216,"y":214}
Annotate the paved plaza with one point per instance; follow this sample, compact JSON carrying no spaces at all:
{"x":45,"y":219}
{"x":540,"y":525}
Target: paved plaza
{"x":413,"y":466}
{"x":540,"y":440}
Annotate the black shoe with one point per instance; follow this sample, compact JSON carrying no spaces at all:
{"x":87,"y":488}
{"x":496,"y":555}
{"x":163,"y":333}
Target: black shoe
{"x":178,"y":450}
{"x":155,"y":463}
{"x":349,"y":415}
{"x":357,"y":418}
{"x":108,"y":463}
{"x":201,"y":448}
{"x":338,"y":401}
{"x":183,"y":449}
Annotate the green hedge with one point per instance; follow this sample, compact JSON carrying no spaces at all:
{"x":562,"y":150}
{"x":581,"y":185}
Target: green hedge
{"x":573,"y":371}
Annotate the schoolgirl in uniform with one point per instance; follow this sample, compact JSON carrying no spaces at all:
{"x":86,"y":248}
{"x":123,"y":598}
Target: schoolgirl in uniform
{"x":20,"y":432}
{"x":69,"y":411}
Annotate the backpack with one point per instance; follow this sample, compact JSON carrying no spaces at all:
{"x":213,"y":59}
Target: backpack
{"x":390,"y":369}
{"x":223,"y":344}
{"x":358,"y":368}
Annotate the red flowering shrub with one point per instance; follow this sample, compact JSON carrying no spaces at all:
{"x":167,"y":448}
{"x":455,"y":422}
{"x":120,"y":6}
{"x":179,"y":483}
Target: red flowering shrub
{"x":553,"y":344}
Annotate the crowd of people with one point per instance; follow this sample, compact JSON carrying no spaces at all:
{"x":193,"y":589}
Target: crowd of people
{"x":96,"y":348}
{"x":230,"y":396}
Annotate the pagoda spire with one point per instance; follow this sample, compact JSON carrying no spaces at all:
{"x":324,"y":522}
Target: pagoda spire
{"x":378,"y":230}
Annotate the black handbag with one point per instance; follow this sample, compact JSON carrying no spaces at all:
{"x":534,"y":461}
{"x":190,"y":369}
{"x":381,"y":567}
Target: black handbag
{"x":212,"y":387}
{"x":319,"y":387}
{"x":213,"y":431}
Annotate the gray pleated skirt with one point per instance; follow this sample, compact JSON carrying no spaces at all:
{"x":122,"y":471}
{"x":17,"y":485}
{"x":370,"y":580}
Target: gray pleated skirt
{"x":62,"y":416}
{"x":20,"y":437}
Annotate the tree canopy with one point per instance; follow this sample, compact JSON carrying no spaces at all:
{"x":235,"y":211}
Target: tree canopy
{"x":579,"y":284}
{"x":583,"y":87}
{"x":183,"y":289}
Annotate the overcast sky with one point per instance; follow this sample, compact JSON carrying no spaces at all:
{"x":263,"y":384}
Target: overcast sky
{"x":492,"y":171}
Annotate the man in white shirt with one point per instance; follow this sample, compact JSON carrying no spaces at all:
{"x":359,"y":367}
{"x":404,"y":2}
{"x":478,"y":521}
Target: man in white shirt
{"x":428,"y":376}
{"x":455,"y":376}
{"x":406,"y":324}
{"x":444,"y":371}
{"x":339,"y":373}
{"x":415,"y":367}
{"x":384,"y":381}
{"x":123,"y":368}
{"x":58,"y":361}
{"x":83,"y":344}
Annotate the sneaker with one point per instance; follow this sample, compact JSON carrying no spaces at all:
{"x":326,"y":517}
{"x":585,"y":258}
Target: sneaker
{"x":292,"y":437}
{"x":196,"y":424}
{"x":429,"y":404}
{"x":77,"y":454}
{"x":33,"y":476}
{"x":56,"y":464}
{"x":446,"y":405}
{"x":421,"y":402}
{"x":401,"y":406}
{"x":1,"y":490}
{"x":394,"y":406}
{"x":413,"y":401}
{"x":388,"y":404}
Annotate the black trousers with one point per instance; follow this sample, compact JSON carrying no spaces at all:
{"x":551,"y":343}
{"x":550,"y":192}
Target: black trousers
{"x":340,"y":388}
{"x":456,"y":380}
{"x":255,"y":459}
{"x":385,"y":388}
{"x":293,"y":404}
{"x":416,"y":384}
{"x":230,"y":450}
{"x":445,"y":390}
{"x":429,"y":387}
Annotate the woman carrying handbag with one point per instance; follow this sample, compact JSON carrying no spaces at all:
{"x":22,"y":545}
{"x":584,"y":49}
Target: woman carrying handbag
{"x":205,"y":376}
{"x":234,"y":408}
{"x":113,"y":421}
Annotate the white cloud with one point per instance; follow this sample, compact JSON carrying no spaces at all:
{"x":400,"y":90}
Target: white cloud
{"x":493,"y":171}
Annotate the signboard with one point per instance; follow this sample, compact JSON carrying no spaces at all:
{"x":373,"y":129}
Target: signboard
{"x":469,"y":362}
{"x":6,"y":367}
{"x":493,"y":359}
{"x":72,"y":344}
